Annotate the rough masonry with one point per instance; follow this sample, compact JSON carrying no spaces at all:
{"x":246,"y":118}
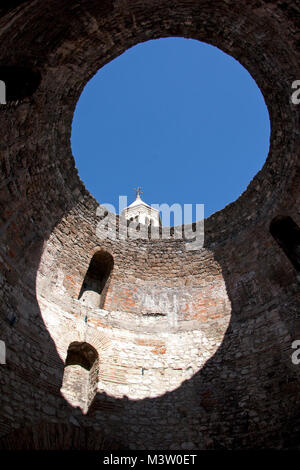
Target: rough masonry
{"x":189,"y":349}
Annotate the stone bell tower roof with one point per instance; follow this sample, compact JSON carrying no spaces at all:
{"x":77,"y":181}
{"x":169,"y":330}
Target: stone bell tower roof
{"x":142,"y":212}
{"x":138,"y":202}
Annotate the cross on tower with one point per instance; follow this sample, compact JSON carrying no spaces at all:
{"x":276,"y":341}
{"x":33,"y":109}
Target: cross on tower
{"x":138,"y":191}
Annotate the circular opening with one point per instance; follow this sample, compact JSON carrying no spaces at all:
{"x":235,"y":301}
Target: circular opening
{"x":178,"y":117}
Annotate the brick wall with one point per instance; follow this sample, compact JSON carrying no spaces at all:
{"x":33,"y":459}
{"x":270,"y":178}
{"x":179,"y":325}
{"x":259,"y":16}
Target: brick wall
{"x":194,"y":346}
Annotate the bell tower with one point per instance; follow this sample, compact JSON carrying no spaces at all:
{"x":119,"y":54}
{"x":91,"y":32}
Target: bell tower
{"x":141,"y":212}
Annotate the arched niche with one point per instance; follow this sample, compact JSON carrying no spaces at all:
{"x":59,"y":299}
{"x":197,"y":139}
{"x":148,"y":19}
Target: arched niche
{"x":80,"y":375}
{"x":20,"y":82}
{"x":96,"y":281}
{"x":287,"y":234}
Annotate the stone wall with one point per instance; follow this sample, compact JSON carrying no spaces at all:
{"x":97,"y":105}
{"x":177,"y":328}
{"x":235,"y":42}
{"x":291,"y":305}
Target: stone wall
{"x":194,"y":346}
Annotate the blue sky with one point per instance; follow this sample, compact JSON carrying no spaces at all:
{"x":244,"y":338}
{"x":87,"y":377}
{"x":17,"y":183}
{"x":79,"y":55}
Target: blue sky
{"x":176,"y":116}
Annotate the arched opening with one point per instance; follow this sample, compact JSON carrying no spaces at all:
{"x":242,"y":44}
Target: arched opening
{"x":80,"y":375}
{"x":287,"y":234}
{"x":96,"y":281}
{"x":20,"y":82}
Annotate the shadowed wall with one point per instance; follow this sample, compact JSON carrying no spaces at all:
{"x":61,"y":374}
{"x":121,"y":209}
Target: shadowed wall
{"x":240,"y":288}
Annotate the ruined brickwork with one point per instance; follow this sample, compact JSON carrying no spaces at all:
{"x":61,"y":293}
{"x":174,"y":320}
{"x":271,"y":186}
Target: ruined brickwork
{"x":186,"y":349}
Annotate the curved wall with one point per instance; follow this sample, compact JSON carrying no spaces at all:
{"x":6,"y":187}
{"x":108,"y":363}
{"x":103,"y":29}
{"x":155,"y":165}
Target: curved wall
{"x":231,"y":307}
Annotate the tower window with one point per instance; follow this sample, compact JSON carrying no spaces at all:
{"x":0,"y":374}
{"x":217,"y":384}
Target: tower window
{"x":287,"y":234}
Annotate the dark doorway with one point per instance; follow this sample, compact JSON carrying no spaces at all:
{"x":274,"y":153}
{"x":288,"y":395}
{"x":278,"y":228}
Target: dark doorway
{"x":287,"y":234}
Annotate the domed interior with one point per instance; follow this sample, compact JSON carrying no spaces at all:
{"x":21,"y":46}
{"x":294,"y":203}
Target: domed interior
{"x":186,"y":349}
